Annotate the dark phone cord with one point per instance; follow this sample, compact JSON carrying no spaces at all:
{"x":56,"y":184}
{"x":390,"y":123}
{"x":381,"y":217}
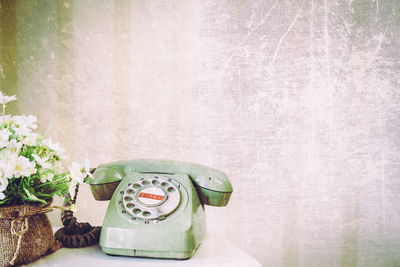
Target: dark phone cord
{"x":75,"y":234}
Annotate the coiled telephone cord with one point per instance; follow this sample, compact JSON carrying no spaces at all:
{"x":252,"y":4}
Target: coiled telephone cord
{"x":75,"y":234}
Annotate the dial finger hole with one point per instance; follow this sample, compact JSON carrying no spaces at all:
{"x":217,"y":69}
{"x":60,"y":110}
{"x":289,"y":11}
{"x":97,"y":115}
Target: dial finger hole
{"x":136,"y":186}
{"x":130,"y":205}
{"x":137,"y":211}
{"x":146,"y":214}
{"x":171,"y":189}
{"x":128,"y":198}
{"x":145,"y":182}
{"x":164,"y":184}
{"x":130,"y":191}
{"x":155,"y":182}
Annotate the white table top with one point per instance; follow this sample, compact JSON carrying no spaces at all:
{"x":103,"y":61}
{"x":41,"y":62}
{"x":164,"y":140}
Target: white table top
{"x":213,"y":251}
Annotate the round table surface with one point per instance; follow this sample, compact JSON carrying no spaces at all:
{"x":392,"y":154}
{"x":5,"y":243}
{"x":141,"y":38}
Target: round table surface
{"x":214,"y":251}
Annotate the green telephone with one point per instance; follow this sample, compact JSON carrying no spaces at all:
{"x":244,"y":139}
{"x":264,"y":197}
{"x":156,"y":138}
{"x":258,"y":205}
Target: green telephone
{"x":156,"y":208}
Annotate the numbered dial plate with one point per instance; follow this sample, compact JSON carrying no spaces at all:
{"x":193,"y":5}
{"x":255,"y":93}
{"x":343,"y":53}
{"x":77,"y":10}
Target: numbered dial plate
{"x":151,"y":198}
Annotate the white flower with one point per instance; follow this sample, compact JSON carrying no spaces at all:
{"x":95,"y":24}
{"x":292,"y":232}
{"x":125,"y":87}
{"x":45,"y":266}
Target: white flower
{"x":49,"y":176}
{"x":4,"y":175}
{"x":55,"y":147}
{"x":57,"y":167}
{"x":6,"y":170}
{"x":72,"y":187}
{"x":42,"y":161}
{"x":14,"y":146}
{"x":25,"y":121}
{"x":86,"y":169}
{"x":22,"y":131}
{"x":23,"y":167}
{"x":30,"y":139}
{"x":6,"y":155}
{"x":3,"y":184}
{"x":24,"y":124}
{"x":76,"y":173}
{"x":46,"y":177}
{"x":6,"y":119}
{"x":5,"y":99}
{"x":4,"y":135}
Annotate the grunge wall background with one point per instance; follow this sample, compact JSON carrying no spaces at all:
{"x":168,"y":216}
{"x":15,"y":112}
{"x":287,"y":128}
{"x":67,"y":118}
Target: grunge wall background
{"x":297,"y":101}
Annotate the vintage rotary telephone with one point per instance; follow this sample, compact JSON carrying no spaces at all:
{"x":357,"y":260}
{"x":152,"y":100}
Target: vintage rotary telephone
{"x":156,"y":208}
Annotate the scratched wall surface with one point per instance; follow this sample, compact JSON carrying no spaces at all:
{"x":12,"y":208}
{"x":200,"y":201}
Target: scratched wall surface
{"x":297,"y":101}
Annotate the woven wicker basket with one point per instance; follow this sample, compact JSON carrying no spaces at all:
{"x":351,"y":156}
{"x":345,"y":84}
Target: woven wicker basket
{"x":25,"y":234}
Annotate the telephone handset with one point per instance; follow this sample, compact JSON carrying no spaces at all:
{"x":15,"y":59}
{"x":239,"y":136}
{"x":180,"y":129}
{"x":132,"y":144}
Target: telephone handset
{"x":156,"y":207}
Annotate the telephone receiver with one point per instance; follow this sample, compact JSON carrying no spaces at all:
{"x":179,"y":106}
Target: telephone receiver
{"x":157,"y":206}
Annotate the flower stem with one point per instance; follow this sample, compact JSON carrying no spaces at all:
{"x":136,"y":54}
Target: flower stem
{"x":4,"y":111}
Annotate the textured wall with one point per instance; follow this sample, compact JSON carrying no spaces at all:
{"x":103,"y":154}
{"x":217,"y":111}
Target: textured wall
{"x":297,"y":101}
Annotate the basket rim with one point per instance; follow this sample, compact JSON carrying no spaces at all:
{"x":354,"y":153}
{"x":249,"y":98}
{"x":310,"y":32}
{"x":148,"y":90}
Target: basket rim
{"x":11,"y":212}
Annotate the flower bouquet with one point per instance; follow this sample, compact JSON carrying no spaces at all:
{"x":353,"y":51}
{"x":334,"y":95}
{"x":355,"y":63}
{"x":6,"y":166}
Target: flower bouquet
{"x":31,"y":173}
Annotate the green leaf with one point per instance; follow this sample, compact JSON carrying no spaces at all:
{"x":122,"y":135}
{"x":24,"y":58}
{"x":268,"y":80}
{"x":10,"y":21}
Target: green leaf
{"x":3,"y":201}
{"x":32,"y":197}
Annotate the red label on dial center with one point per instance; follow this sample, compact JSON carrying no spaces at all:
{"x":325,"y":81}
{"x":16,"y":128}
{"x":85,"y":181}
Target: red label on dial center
{"x":151,"y":196}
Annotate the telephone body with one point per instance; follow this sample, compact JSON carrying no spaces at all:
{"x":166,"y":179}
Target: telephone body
{"x":156,"y":208}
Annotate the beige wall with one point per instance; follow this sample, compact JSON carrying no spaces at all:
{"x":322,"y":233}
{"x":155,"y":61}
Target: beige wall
{"x":297,"y":101}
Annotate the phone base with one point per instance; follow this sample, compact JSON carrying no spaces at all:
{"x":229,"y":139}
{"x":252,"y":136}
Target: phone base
{"x":180,"y":255}
{"x":176,"y":236}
